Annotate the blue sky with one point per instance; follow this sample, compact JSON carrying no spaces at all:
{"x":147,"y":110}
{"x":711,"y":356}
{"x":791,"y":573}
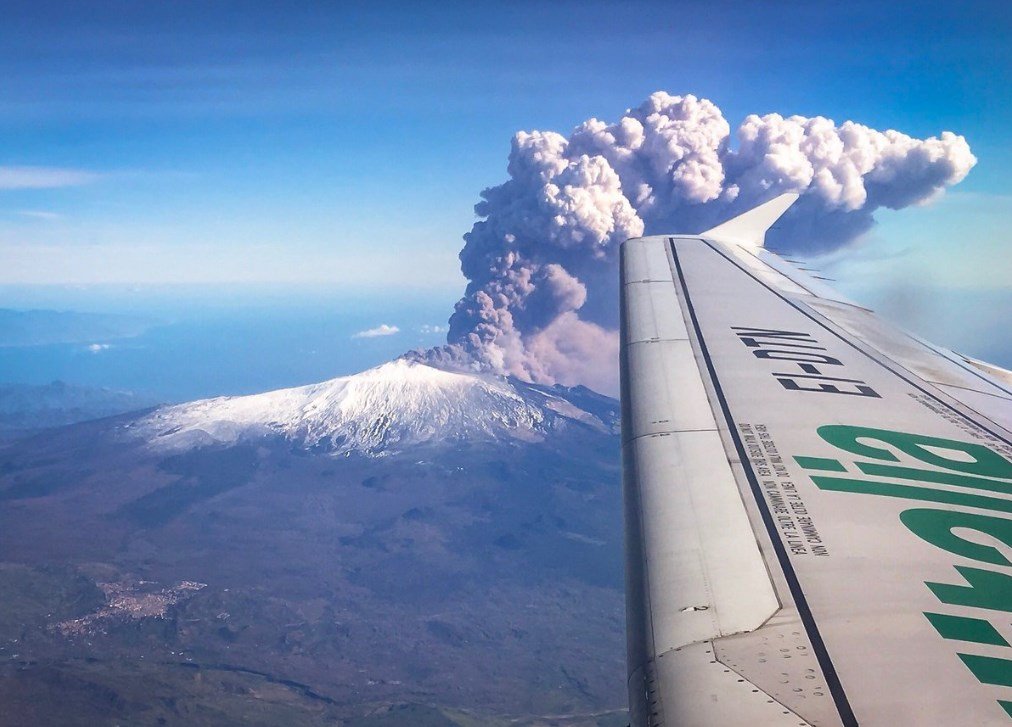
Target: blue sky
{"x":344,"y":145}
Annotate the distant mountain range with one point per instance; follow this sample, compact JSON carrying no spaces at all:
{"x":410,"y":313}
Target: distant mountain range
{"x":44,"y":327}
{"x":403,"y":546}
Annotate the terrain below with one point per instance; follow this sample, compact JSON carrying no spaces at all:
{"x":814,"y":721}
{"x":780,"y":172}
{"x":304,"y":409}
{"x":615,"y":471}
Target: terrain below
{"x":257,"y":581}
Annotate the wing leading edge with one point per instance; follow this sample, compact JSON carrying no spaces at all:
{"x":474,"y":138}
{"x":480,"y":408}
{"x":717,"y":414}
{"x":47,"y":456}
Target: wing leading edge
{"x":817,"y":504}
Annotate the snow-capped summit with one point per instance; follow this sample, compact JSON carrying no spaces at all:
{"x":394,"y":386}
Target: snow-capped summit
{"x":382,"y":410}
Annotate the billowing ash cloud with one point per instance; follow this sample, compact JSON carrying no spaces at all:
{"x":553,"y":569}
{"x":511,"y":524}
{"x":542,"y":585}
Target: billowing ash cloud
{"x":541,"y":303}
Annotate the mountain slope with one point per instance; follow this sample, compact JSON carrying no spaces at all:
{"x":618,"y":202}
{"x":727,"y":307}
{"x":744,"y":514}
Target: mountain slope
{"x":382,"y":411}
{"x":26,"y":407}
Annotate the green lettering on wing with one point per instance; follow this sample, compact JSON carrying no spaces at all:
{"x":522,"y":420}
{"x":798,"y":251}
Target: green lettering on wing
{"x":982,"y":460}
{"x":974,"y":536}
{"x":936,"y":526}
{"x":964,"y":628}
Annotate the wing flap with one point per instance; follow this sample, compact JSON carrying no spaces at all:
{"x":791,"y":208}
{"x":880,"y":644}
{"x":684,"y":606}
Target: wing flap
{"x":653,"y":313}
{"x":730,"y":699}
{"x":691,"y":550}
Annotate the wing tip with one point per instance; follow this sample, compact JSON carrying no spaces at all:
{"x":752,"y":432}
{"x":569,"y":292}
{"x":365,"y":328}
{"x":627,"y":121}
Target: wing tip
{"x":750,"y":228}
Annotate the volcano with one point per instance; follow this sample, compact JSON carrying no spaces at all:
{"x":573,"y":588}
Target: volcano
{"x":383,"y":411}
{"x":407,"y":545}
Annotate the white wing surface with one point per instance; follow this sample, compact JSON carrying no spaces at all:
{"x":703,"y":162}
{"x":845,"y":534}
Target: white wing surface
{"x":818,"y":505}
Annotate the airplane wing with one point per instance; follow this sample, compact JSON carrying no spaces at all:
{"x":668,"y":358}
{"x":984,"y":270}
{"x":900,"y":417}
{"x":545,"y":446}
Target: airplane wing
{"x":818,"y":505}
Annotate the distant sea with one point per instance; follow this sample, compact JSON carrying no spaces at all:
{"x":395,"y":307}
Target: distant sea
{"x":209,"y":342}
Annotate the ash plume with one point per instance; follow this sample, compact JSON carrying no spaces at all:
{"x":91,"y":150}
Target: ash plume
{"x":541,"y":301}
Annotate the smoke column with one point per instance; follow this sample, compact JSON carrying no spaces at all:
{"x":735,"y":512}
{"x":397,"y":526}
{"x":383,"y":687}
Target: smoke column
{"x":541,"y":301}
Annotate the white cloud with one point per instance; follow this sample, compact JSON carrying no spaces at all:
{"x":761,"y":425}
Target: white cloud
{"x":381,"y":330}
{"x":44,"y":177}
{"x":433,"y":329}
{"x":99,"y":347}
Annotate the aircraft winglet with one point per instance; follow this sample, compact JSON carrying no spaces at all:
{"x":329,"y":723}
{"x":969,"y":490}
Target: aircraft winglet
{"x":749,"y":228}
